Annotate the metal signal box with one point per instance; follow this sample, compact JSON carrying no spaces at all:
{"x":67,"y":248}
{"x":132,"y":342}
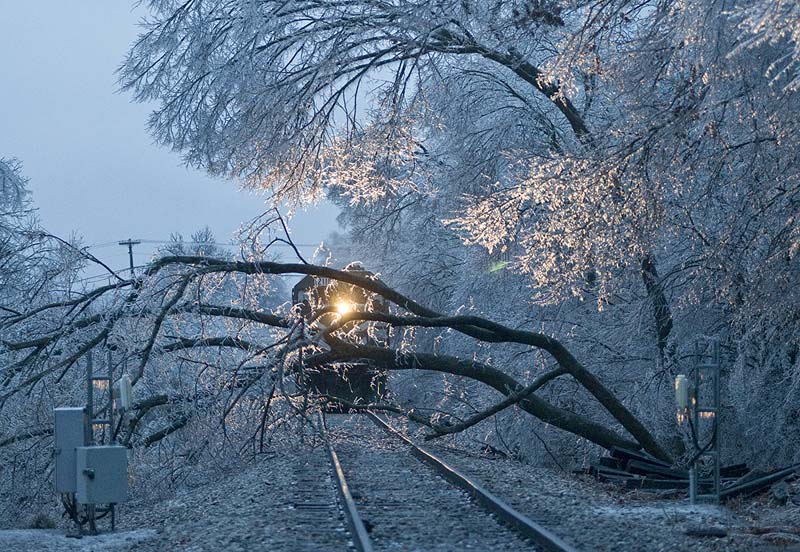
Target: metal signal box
{"x":102,"y":474}
{"x":70,"y":433}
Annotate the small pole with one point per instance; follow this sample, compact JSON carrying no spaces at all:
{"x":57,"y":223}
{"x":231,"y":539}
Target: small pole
{"x":110,"y":388}
{"x":90,"y":509}
{"x":717,"y":361}
{"x":708,"y":366}
{"x":89,"y":399}
{"x":695,"y":414}
{"x":302,"y":379}
{"x":130,"y":243}
{"x":112,"y":438}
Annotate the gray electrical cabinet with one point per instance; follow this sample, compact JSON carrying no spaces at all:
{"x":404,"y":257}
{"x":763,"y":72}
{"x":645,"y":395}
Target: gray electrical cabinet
{"x":102,"y":473}
{"x":70,"y":433}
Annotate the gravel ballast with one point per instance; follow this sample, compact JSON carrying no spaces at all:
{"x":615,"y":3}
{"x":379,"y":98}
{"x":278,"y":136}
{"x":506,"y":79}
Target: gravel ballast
{"x":286,"y":501}
{"x":404,"y":504}
{"x":283,"y":502}
{"x":597,"y":517}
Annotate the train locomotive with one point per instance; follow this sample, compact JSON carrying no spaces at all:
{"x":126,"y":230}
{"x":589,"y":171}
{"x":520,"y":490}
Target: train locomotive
{"x":321,"y":301}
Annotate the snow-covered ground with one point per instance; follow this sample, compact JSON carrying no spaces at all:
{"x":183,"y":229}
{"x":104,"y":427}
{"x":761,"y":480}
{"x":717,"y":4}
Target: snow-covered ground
{"x":55,"y":540}
{"x":266,"y":507}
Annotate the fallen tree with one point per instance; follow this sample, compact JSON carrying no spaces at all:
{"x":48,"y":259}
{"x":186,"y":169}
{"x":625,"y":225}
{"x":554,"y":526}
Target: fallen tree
{"x":174,"y":308}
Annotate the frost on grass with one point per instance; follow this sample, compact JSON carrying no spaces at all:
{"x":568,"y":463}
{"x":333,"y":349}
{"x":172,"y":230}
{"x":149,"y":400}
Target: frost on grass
{"x":55,"y":540}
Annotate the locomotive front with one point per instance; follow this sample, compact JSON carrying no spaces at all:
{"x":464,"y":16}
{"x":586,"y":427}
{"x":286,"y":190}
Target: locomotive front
{"x":321,"y":302}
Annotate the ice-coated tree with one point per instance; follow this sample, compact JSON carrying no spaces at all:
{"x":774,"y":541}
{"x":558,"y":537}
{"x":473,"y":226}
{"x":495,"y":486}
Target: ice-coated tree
{"x":637,"y":155}
{"x":14,"y":205}
{"x":201,"y":242}
{"x":35,"y":268}
{"x":559,"y":198}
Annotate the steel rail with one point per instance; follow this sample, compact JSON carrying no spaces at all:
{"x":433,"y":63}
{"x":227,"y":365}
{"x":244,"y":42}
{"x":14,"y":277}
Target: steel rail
{"x":514,"y":519}
{"x":354,"y":523}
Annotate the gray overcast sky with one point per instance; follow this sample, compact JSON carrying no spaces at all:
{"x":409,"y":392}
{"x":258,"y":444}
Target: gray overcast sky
{"x":92,"y":165}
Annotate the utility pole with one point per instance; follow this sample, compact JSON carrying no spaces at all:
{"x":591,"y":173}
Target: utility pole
{"x":130,"y":243}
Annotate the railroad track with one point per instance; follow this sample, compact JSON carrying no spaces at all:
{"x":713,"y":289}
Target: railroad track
{"x":390,"y":503}
{"x":314,"y":517}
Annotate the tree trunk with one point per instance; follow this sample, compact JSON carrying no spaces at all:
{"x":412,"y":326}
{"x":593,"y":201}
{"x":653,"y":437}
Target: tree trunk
{"x":655,"y":291}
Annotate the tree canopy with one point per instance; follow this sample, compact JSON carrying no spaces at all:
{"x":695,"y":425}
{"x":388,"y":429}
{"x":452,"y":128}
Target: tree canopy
{"x":559,"y":198}
{"x":640,"y":156}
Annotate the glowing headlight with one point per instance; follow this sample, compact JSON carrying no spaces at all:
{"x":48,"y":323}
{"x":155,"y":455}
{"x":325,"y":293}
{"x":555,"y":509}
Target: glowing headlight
{"x":343,"y":307}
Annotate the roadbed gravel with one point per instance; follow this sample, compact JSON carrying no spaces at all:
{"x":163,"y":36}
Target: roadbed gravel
{"x":286,"y":501}
{"x":406,"y":505}
{"x":597,"y":517}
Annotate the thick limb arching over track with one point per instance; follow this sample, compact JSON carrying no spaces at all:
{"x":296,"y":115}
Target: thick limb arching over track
{"x":168,"y":302}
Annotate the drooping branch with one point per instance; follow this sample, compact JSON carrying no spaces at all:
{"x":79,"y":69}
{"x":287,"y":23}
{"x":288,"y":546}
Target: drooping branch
{"x":510,"y":400}
{"x":477,"y":327}
{"x":237,"y":312}
{"x":195,"y":267}
{"x":181,"y":343}
{"x":445,"y":41}
{"x":208,"y":265}
{"x":390,"y":359}
{"x":25,"y":435}
{"x":177,"y":424}
{"x":487,"y":330}
{"x":67,"y":363}
{"x":82,"y":300}
{"x":178,"y":295}
{"x":142,"y":408}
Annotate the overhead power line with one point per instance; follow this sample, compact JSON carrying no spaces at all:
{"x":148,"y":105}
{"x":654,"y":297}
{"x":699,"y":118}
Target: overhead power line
{"x":217,"y":244}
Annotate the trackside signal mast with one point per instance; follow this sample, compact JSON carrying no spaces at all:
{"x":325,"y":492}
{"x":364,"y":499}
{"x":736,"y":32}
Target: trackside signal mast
{"x":92,"y":477}
{"x":697,"y":397}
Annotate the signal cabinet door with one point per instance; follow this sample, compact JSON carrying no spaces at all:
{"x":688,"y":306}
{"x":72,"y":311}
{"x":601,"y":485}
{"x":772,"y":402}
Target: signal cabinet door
{"x":69,"y":433}
{"x":102,"y":475}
